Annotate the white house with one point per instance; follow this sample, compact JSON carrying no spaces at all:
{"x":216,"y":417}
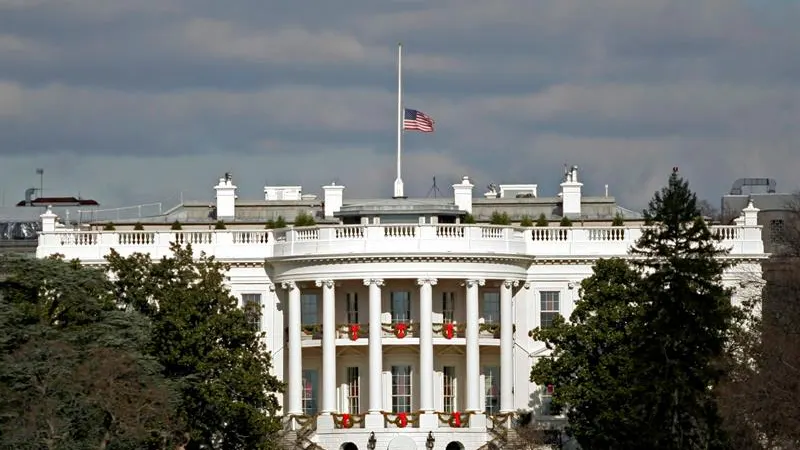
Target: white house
{"x":394,"y":324}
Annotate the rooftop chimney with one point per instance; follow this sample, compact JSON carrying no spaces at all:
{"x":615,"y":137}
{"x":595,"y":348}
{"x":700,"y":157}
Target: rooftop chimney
{"x":226,"y":198}
{"x":571,"y":193}
{"x":334,"y":197}
{"x":462,"y":195}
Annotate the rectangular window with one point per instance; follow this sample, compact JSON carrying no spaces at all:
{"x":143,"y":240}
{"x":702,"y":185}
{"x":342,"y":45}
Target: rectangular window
{"x":550,"y":308}
{"x":491,"y":377}
{"x":401,"y":389}
{"x":251,"y":303}
{"x":353,"y":390}
{"x":401,"y":307}
{"x":310,"y":389}
{"x":352,"y":307}
{"x":308,"y":309}
{"x":449,"y":373}
{"x":547,"y":400}
{"x":777,"y":232}
{"x":448,"y":307}
{"x":491,"y":307}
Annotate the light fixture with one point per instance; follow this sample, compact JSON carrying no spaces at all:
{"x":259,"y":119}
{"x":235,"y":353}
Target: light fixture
{"x":430,"y":441}
{"x":372,"y":441}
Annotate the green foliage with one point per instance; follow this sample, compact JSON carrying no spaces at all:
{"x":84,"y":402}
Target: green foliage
{"x":280,"y":222}
{"x":176,"y":226}
{"x":304,"y":219}
{"x":591,"y":367}
{"x":220,"y":225}
{"x":206,"y":344}
{"x":109,"y":227}
{"x":565,"y":222}
{"x":637,"y":365}
{"x":138,"y":226}
{"x":499,"y":218}
{"x":468,"y":219}
{"x":73,"y":374}
{"x":542,"y":221}
{"x":618,"y":221}
{"x":526,"y":221}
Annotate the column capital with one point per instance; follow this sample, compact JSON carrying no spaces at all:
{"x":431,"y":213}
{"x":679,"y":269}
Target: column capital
{"x":289,"y":285}
{"x":271,"y":287}
{"x":375,"y":281}
{"x":526,"y":285}
{"x":327,"y":283}
{"x":474,"y":282}
{"x":508,"y":284}
{"x":424,"y":281}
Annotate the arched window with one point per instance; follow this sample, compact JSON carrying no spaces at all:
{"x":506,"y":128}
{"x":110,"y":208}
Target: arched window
{"x":455,"y":445}
{"x":348,"y":446}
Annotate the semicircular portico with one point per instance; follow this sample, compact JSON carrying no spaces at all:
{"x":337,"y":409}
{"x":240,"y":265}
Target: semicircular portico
{"x":398,"y":267}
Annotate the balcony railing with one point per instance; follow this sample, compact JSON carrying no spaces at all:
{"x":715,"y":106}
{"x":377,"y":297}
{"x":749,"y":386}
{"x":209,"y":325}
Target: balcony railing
{"x":375,"y":239}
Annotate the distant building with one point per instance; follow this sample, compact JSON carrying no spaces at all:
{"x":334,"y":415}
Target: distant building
{"x":394,"y":323}
{"x":776,"y":209}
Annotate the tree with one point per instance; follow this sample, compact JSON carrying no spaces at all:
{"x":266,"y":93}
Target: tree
{"x":565,"y":222}
{"x":591,"y":367}
{"x":72,"y":370}
{"x":206,"y":344}
{"x":686,"y":321}
{"x":304,"y":219}
{"x":542,"y":221}
{"x":526,"y":221}
{"x":639,"y":364}
{"x":500,"y":218}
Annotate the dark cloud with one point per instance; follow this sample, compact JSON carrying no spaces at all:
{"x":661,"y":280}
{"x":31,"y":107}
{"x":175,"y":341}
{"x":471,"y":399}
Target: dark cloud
{"x":134,"y":101}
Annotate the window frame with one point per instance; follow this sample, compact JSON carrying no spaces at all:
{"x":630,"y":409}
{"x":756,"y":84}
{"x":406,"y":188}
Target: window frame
{"x":393,"y":311}
{"x":549,"y":308}
{"x":402,"y":401}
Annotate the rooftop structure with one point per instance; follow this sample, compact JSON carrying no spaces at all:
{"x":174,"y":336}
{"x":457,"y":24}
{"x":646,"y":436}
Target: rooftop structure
{"x":397,"y":322}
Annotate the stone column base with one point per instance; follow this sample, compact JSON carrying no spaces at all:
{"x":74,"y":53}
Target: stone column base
{"x":428,"y":420}
{"x":477,"y":420}
{"x":325,"y":422}
{"x":373,"y":421}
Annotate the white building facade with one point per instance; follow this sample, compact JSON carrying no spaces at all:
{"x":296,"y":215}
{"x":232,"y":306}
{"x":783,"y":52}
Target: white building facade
{"x":402,"y":333}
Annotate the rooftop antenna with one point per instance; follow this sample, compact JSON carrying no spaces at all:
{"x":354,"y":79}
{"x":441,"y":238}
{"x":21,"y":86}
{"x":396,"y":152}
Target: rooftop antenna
{"x":40,"y":172}
{"x":434,"y":189}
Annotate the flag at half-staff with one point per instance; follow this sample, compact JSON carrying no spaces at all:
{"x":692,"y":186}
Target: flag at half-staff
{"x":417,"y":121}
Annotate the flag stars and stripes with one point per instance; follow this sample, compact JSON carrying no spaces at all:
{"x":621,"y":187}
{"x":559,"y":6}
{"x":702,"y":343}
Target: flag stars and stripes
{"x":417,"y":121}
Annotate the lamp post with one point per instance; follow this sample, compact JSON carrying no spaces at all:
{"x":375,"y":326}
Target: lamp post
{"x":429,"y":443}
{"x":372,"y":441}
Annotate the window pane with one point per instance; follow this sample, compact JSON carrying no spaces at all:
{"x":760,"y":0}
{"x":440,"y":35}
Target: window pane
{"x":353,"y":390}
{"x":252,"y":309}
{"x":352,"y":307}
{"x":310,"y":383}
{"x":549,"y":307}
{"x":308,"y":309}
{"x":401,"y":307}
{"x":449,"y":373}
{"x":401,"y":389}
{"x":491,"y":307}
{"x":448,"y":307}
{"x":492,"y":382}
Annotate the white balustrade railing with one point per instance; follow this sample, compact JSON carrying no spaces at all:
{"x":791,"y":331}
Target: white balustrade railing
{"x":366,"y":239}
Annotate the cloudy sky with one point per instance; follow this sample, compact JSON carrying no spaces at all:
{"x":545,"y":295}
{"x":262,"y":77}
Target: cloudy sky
{"x":136,"y":101}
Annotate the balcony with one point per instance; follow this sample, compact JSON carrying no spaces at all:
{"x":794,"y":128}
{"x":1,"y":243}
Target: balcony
{"x":374,"y":239}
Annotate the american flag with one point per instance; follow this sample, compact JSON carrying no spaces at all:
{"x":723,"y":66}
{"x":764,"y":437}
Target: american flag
{"x":417,"y":121}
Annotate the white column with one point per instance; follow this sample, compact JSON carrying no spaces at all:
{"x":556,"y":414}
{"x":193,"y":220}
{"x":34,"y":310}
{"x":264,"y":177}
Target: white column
{"x":473,"y":349}
{"x":426,"y":351}
{"x":294,"y":377}
{"x":375,"y":418}
{"x":506,"y":347}
{"x":328,"y":346}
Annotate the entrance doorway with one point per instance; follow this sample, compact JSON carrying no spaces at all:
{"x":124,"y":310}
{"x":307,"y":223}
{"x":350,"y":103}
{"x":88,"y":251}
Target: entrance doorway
{"x":455,"y":445}
{"x":348,"y":446}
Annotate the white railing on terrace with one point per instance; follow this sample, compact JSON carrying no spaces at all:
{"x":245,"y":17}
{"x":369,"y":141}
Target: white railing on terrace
{"x":375,"y":239}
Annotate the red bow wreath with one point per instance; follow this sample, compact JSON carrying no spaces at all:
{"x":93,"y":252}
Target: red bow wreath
{"x":346,"y":422}
{"x":402,"y":420}
{"x":449,"y":330}
{"x":354,"y":329}
{"x":455,"y":420}
{"x":400,"y":330}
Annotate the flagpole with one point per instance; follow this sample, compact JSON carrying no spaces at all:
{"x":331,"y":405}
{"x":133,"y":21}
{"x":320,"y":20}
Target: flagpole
{"x":398,"y":183}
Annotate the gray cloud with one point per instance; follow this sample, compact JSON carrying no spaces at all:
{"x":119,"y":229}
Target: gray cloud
{"x":131,"y":102}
